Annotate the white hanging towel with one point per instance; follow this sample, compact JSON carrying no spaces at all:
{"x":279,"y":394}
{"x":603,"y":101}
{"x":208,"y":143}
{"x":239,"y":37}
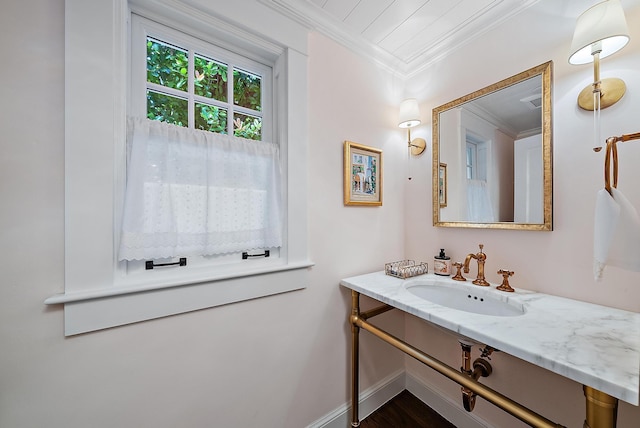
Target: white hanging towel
{"x":616,"y":233}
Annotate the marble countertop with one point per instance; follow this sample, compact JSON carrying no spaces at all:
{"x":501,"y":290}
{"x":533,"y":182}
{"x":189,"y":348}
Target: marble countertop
{"x":591,"y":344}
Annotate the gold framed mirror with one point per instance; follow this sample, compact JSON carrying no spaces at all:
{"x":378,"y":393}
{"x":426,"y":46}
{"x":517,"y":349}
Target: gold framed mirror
{"x":496,"y":148}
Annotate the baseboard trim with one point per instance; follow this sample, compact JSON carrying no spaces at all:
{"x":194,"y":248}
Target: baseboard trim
{"x":370,"y":400}
{"x":442,"y":404}
{"x":375,"y":396}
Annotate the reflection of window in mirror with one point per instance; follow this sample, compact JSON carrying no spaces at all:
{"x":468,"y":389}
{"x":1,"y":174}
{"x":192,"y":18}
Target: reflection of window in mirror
{"x":476,"y":157}
{"x":471,"y":159}
{"x":478,"y":198}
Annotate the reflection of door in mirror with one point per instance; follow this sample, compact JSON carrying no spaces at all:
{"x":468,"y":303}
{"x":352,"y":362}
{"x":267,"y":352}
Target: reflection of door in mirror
{"x":528,"y":172}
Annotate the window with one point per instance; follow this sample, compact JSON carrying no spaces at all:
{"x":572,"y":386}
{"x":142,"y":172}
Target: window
{"x":471,"y":160}
{"x":189,"y":89}
{"x":196,"y":194}
{"x":101,"y":292}
{"x":476,"y":157}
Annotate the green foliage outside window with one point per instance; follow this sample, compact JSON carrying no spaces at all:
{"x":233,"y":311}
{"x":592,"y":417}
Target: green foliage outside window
{"x":168,"y":66}
{"x":166,"y":108}
{"x":211,"y":118}
{"x":246,"y":90}
{"x":247,"y":127}
{"x":210,"y":79}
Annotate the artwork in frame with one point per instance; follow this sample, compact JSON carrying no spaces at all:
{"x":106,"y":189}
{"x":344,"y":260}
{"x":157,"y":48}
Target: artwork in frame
{"x":442,"y":184}
{"x":362,"y":175}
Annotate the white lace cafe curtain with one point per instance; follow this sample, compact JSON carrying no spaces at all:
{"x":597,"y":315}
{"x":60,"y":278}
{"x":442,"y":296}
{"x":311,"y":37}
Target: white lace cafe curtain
{"x":192,"y":192}
{"x":479,"y":208}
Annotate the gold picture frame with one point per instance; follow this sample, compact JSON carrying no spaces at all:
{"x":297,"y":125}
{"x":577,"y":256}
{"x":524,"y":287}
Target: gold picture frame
{"x":362,"y":175}
{"x":442,"y":184}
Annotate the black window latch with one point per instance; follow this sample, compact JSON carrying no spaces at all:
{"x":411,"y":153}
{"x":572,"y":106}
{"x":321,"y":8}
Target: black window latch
{"x":149,"y":264}
{"x":246,"y":255}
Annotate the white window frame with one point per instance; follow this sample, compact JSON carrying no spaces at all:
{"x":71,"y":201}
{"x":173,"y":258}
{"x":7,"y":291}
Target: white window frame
{"x":96,"y":295}
{"x":141,"y":28}
{"x":134,"y":272}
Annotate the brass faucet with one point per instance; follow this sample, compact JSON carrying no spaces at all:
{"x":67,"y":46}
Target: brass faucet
{"x":480,"y":257}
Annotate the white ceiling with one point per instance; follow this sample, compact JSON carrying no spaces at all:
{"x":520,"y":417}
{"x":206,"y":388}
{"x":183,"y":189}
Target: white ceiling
{"x":516,"y":109}
{"x":403,"y":35}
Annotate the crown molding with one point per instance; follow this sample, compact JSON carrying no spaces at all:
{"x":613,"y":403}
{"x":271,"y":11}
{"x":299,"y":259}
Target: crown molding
{"x":316,"y":19}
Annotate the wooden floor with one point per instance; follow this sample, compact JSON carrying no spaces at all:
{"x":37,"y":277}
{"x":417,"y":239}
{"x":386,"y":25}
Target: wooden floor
{"x":405,"y":411}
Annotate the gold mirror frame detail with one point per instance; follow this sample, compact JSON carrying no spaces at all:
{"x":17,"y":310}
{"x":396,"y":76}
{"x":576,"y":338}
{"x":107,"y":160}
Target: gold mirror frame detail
{"x":546,"y":72}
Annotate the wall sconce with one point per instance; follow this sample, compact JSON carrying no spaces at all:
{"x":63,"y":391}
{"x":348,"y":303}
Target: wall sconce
{"x":600,"y":31}
{"x":408,"y":118}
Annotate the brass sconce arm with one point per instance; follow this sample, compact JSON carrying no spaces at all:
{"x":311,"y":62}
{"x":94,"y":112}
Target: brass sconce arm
{"x":417,"y":146}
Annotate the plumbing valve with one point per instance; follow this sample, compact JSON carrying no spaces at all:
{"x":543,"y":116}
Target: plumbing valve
{"x":486,"y":352}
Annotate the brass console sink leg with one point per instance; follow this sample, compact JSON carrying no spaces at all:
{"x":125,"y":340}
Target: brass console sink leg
{"x":355,"y":369}
{"x":602,"y":409}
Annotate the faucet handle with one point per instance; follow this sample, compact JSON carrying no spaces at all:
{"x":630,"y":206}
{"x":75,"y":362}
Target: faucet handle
{"x":458,"y":276}
{"x":481,"y":256}
{"x":505,"y":281}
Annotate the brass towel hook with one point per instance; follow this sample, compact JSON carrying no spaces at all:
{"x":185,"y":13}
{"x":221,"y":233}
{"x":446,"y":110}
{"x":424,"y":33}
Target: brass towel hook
{"x":612,"y":152}
{"x":625,"y":137}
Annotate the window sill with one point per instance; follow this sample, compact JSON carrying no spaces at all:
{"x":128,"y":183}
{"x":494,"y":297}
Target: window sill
{"x":98,"y":309}
{"x":140,"y":288}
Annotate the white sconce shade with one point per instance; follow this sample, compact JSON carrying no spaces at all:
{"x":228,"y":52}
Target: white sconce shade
{"x":600,"y":31}
{"x":408,"y":118}
{"x":604,"y":22}
{"x":409,"y":114}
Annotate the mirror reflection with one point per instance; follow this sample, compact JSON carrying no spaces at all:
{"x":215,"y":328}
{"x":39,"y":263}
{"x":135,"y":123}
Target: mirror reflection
{"x":492,"y":155}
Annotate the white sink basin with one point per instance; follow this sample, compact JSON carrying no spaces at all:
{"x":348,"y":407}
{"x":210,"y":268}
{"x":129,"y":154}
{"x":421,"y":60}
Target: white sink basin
{"x":466,"y":299}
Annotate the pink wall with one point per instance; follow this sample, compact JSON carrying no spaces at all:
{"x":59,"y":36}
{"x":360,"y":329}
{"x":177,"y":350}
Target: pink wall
{"x":280,"y":361}
{"x":557,"y":262}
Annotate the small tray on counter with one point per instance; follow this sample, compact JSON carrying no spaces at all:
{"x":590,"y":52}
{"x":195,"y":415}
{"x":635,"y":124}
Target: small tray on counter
{"x":405,"y":269}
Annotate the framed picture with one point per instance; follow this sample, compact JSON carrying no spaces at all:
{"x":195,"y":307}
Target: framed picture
{"x":362,"y":175}
{"x":442,"y":184}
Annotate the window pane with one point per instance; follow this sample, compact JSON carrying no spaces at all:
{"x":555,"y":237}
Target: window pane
{"x":247,"y":126}
{"x":166,"y":65}
{"x":211,"y":118}
{"x":210,"y":78}
{"x":166,"y":108}
{"x":246,"y":90}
